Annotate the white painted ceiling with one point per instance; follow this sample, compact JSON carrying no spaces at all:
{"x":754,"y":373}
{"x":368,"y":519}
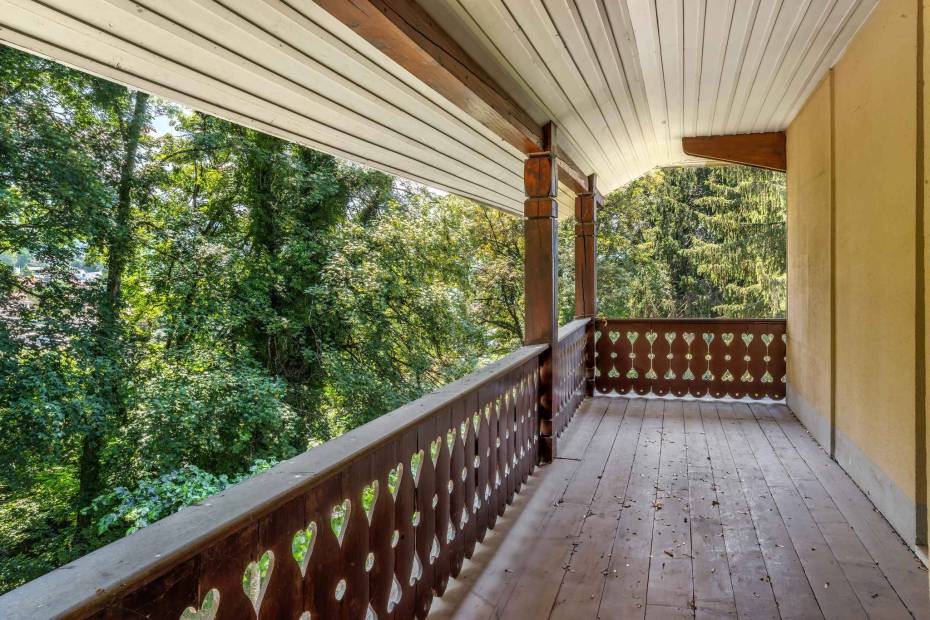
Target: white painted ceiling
{"x":623,"y":79}
{"x":627,"y":79}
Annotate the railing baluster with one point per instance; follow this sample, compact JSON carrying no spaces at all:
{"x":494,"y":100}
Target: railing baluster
{"x":728,"y":357}
{"x":470,"y":454}
{"x":372,"y":524}
{"x":404,"y":537}
{"x":459,"y":473}
{"x":381,"y":573}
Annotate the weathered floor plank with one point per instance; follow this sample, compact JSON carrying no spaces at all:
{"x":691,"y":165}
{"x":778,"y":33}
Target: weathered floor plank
{"x":713,"y":590}
{"x":661,"y":508}
{"x":901,"y":567}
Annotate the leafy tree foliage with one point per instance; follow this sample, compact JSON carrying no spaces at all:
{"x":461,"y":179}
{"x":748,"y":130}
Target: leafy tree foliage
{"x":179,"y":310}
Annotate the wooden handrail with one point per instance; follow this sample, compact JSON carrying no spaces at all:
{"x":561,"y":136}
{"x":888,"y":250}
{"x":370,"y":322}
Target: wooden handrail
{"x":204,"y":549}
{"x":569,"y":329}
{"x":570,"y":373}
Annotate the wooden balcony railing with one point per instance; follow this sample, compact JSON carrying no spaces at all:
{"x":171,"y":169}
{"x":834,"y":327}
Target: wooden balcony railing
{"x":369,"y":525}
{"x":716,"y":357}
{"x":570,"y":372}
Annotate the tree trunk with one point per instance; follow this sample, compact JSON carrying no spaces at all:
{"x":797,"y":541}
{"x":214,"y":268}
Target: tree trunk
{"x":108,"y":341}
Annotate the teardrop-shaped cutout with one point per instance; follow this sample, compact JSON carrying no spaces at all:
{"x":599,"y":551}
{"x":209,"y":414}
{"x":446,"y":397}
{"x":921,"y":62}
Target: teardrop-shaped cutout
{"x":369,"y":562}
{"x":434,"y":551}
{"x":256,"y":577}
{"x":451,"y":434}
{"x":416,"y":570}
{"x":302,"y":546}
{"x":434,"y":447}
{"x":463,"y":430}
{"x":394,"y":596}
{"x":370,"y":613}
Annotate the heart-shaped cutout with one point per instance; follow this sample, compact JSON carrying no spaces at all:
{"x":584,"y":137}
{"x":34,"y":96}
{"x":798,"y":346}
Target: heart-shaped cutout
{"x":463,"y":430}
{"x":369,"y":497}
{"x":747,"y":338}
{"x":451,"y":434}
{"x":256,"y":577}
{"x":727,"y":338}
{"x":476,"y":422}
{"x":434,"y":447}
{"x":768,"y":338}
{"x":302,"y":546}
{"x":670,"y":337}
{"x":339,"y":519}
{"x":651,"y":336}
{"x":416,"y":464}
{"x":688,"y":336}
{"x":632,"y":336}
{"x":613,"y":337}
{"x":208,"y":608}
{"x":394,"y":478}
{"x":708,"y":337}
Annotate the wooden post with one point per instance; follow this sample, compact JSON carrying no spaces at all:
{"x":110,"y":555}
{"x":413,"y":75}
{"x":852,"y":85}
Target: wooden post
{"x":540,"y":269}
{"x":586,"y":205}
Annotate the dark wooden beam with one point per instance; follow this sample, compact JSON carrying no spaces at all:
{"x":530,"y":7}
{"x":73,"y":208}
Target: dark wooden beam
{"x":762,"y":150}
{"x":586,"y":206}
{"x":404,"y":32}
{"x":540,"y":276}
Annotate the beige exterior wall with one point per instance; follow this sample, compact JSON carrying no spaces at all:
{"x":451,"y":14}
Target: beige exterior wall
{"x":809,"y":281}
{"x":925,"y":155}
{"x":876,"y":317}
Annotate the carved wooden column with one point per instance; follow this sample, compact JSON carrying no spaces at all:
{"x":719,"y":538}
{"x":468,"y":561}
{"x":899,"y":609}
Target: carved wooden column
{"x":586,"y":205}
{"x":540,"y":268}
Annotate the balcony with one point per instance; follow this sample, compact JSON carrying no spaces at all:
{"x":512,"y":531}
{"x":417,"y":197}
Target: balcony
{"x":652,"y":507}
{"x":671,"y":508}
{"x":611,"y":468}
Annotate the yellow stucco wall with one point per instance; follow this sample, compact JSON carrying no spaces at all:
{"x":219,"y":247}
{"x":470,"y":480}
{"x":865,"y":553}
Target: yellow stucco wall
{"x":925,"y":139}
{"x":875,"y":103}
{"x":875,"y":262}
{"x":809,"y":221}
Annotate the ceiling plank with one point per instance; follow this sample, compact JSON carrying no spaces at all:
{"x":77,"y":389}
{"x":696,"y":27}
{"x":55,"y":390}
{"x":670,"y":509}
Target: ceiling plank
{"x":762,"y":150}
{"x":406,"y":33}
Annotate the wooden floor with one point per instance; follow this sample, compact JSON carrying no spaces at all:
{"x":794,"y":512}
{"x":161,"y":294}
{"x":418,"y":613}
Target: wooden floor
{"x":679,"y":509}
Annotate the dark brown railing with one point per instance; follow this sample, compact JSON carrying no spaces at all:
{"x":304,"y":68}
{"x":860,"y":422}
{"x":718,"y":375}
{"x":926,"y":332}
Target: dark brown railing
{"x":570,"y":372}
{"x":716,"y":357}
{"x":371,"y":524}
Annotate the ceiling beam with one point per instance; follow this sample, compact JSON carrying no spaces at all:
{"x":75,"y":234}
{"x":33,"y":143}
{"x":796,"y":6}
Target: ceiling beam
{"x":762,"y":150}
{"x":406,"y":34}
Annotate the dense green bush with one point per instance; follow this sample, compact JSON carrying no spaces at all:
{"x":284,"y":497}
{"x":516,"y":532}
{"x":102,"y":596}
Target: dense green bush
{"x":218,"y":418}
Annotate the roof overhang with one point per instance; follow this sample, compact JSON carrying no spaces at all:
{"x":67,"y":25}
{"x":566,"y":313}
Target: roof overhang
{"x":453,"y":93}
